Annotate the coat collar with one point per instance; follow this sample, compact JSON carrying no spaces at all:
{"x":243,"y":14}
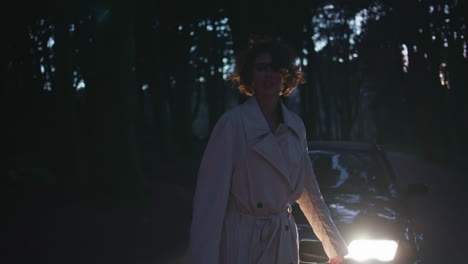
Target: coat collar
{"x":257,"y":126}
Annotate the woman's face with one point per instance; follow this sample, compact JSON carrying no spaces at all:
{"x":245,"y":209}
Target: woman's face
{"x":265,"y":80}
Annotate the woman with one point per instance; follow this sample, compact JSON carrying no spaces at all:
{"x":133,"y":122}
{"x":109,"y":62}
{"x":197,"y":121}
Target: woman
{"x":254,"y":166}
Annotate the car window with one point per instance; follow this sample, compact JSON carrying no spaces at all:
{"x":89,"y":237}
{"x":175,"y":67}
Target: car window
{"x":350,"y":171}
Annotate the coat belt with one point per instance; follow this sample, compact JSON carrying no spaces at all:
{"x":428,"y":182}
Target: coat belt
{"x":269,"y":241}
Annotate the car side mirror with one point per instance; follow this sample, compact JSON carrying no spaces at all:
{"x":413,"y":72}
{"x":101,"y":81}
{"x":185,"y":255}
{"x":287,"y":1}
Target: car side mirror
{"x":417,"y":189}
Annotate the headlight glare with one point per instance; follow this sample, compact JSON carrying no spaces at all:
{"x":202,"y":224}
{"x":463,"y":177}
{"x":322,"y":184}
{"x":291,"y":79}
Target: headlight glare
{"x":383,"y":250}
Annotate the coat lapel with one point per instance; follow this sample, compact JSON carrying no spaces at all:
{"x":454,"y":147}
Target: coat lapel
{"x":291,"y":121}
{"x":266,"y":145}
{"x":268,"y":148}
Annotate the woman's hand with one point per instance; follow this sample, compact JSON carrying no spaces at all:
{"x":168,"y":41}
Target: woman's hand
{"x":336,"y":260}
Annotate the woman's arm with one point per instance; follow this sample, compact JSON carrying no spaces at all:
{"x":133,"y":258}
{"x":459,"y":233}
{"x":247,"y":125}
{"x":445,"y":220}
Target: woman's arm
{"x":211,"y":195}
{"x":316,"y":211}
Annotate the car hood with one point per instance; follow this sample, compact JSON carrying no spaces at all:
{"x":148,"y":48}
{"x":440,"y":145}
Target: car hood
{"x":367,"y":216}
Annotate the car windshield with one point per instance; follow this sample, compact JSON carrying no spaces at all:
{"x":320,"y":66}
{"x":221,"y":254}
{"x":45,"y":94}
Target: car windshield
{"x":350,"y":171}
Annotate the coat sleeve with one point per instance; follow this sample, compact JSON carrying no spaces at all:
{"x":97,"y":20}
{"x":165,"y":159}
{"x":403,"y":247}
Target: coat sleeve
{"x":211,"y":195}
{"x":316,"y":211}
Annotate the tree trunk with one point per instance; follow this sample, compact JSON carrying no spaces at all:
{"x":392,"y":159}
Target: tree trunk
{"x":114,"y":167}
{"x":65,"y":102}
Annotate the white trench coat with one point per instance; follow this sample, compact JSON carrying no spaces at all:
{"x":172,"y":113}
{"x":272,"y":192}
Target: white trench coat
{"x":247,"y":179}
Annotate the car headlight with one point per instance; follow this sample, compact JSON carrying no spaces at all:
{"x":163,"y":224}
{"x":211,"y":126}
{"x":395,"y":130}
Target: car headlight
{"x":383,"y":250}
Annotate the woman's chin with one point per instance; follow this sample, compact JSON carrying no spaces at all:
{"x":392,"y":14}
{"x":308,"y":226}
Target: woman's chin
{"x":269,"y":92}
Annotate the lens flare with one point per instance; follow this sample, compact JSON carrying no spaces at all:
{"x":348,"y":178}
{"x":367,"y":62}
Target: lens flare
{"x":383,"y":250}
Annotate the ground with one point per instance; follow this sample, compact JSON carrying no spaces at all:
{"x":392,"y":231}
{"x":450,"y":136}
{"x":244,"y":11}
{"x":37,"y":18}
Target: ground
{"x":441,"y":214}
{"x":50,"y":231}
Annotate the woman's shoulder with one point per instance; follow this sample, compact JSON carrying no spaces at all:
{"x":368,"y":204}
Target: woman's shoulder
{"x":232,"y":114}
{"x":228,"y":124}
{"x":229,"y":119}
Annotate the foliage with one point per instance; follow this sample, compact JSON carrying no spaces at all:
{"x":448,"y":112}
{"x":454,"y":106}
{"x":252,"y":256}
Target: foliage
{"x":91,"y":80}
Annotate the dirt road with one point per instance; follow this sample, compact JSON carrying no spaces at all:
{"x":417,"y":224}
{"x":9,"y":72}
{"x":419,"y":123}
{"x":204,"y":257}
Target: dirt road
{"x":440,"y":214}
{"x":46,"y":232}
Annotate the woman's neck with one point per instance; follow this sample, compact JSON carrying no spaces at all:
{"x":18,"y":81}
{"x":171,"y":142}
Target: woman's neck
{"x":270,"y":107}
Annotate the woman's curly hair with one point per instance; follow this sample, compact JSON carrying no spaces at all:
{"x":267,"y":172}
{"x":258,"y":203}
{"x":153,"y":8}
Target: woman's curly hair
{"x":282,"y":60}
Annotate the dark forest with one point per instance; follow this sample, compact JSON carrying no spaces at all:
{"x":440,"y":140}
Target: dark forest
{"x":108,"y":106}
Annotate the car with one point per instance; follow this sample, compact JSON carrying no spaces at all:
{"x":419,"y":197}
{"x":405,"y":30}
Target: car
{"x":360,"y":187}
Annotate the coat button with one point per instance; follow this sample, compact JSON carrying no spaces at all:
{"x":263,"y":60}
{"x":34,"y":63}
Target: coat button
{"x":259,"y":205}
{"x":287,"y":228}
